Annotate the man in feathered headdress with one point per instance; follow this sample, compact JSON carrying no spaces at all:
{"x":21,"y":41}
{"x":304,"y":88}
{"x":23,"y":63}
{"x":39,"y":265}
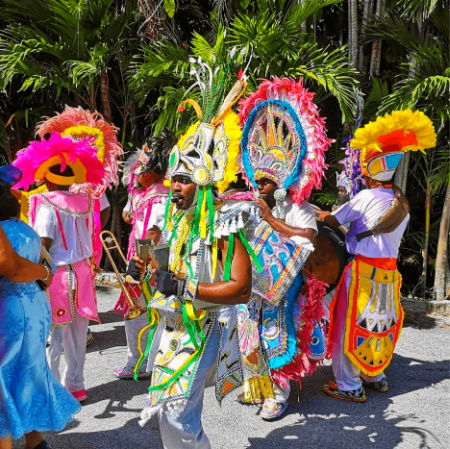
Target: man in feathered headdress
{"x":65,"y":223}
{"x":366,"y":315}
{"x":208,"y":272}
{"x":283,"y":148}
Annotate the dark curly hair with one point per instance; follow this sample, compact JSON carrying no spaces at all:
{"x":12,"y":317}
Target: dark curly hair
{"x":9,"y":206}
{"x":159,"y":157}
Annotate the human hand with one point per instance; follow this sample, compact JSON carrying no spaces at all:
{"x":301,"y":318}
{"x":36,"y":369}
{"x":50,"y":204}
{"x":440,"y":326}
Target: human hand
{"x":266,"y":213}
{"x":169,"y":284}
{"x":126,"y":217}
{"x":137,"y":267}
{"x":49,"y":279}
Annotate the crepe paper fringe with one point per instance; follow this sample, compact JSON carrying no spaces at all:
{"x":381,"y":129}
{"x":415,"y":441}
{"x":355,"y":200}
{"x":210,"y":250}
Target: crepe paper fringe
{"x":370,"y":138}
{"x":312,"y":311}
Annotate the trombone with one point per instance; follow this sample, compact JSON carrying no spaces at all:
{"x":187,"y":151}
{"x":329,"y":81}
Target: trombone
{"x":135,"y":306}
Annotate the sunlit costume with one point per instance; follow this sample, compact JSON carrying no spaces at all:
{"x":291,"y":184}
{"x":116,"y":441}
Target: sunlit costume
{"x":199,"y":335}
{"x":146,"y":207}
{"x":30,"y":397}
{"x":67,"y":218}
{"x":366,"y":314}
{"x":283,"y":140}
{"x":81,"y":124}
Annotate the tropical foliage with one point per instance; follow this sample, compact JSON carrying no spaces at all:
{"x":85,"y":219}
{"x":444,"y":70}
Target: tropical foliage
{"x":130,"y":59}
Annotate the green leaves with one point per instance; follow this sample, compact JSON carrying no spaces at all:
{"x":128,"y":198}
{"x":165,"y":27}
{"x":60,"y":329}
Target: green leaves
{"x":169,"y":6}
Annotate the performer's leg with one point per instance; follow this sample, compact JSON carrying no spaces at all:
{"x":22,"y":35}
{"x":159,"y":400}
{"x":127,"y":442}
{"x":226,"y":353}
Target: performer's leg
{"x":132,"y":329}
{"x":155,"y":346}
{"x":74,"y":340}
{"x":346,"y":374}
{"x":182,"y":428}
{"x":274,"y":408}
{"x":54,"y":351}
{"x":281,"y":393}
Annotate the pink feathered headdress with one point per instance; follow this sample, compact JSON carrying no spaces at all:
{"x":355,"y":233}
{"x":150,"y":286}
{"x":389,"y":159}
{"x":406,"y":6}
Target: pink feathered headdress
{"x":79,"y":123}
{"x":35,"y":160}
{"x":284,"y":137}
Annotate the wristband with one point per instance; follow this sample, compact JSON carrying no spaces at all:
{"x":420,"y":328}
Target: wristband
{"x":190,"y":288}
{"x":48,"y":274}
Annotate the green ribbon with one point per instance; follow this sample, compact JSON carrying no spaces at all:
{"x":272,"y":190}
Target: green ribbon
{"x":146,"y":352}
{"x":259,"y":267}
{"x":193,"y":339}
{"x":229,"y":258}
{"x":166,"y":212}
{"x":210,"y":202}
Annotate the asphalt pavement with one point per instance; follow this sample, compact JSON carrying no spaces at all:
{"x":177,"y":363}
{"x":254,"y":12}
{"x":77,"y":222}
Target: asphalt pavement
{"x":413,"y":414}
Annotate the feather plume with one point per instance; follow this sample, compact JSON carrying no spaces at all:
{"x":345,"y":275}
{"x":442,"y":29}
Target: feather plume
{"x":301,"y":182}
{"x":77,"y":117}
{"x":38,"y":152}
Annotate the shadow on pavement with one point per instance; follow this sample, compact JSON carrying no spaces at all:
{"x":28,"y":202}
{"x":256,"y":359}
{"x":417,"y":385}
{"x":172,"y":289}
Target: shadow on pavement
{"x":329,"y":423}
{"x":420,"y":321}
{"x":105,"y":340}
{"x":130,"y":436}
{"x":119,"y":392}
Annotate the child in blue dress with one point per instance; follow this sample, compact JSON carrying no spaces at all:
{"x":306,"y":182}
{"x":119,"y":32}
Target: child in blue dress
{"x":31,"y":399}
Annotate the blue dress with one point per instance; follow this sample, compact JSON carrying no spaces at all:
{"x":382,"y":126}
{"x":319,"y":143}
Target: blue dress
{"x":30,"y":397}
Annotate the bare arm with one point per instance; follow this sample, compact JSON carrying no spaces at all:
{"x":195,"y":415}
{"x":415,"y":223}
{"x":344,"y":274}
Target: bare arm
{"x":46,"y":242}
{"x":16,"y":268}
{"x":281,"y":227}
{"x":331,"y":220}
{"x":154,"y":234}
{"x":395,"y":215}
{"x":104,"y":216}
{"x":238,"y":289}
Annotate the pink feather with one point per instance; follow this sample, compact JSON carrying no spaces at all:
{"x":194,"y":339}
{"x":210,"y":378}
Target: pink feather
{"x":76,"y":116}
{"x":313,"y":164}
{"x":32,"y":157}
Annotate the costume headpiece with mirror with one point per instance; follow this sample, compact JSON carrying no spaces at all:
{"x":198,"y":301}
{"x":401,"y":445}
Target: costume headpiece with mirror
{"x":207,"y":153}
{"x":384,"y":141}
{"x":284,"y":138}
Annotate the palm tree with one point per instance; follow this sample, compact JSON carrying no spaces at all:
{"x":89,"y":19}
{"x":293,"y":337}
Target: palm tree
{"x":270,"y":35}
{"x":70,"y":45}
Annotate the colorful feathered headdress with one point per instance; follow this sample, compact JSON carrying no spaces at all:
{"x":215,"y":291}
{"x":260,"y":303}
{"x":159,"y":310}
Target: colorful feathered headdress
{"x":284,"y":138}
{"x":77,"y":124}
{"x":350,"y":178}
{"x":36,"y":160}
{"x":208,"y":152}
{"x":384,"y":141}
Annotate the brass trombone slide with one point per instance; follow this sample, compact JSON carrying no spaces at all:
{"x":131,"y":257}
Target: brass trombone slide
{"x":135,"y":306}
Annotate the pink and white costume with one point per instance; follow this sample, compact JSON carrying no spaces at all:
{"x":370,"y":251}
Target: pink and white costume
{"x":68,"y":219}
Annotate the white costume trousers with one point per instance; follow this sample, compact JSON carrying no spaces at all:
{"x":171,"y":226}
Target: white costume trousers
{"x":182,"y":428}
{"x":132,"y":329}
{"x":348,"y":376}
{"x":71,"y":338}
{"x":280,"y":393}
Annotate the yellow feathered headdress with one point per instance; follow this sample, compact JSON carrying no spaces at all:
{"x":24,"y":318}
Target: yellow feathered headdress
{"x":384,"y":141}
{"x":207,"y":153}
